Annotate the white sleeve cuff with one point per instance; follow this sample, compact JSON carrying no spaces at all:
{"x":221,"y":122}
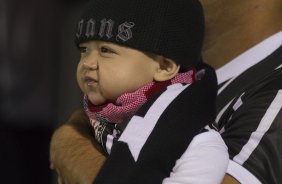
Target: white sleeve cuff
{"x":204,"y":161}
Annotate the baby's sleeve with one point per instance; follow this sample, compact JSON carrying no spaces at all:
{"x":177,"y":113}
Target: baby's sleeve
{"x":205,"y":161}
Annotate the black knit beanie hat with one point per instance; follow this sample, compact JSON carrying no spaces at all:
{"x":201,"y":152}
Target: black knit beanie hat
{"x":170,"y":28}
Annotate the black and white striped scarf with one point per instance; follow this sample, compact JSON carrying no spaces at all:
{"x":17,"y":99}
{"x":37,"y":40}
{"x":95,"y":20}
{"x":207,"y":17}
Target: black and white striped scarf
{"x":160,"y":131}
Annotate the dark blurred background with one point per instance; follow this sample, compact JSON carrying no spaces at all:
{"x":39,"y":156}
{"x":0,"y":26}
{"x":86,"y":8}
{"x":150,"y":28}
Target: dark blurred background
{"x":38,"y":87}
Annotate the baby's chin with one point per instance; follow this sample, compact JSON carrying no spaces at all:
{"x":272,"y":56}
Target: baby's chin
{"x":101,"y":99}
{"x":97,"y":101}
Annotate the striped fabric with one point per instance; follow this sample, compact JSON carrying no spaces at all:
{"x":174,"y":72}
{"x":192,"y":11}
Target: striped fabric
{"x":160,"y":132}
{"x":250,"y":114}
{"x":107,"y":119}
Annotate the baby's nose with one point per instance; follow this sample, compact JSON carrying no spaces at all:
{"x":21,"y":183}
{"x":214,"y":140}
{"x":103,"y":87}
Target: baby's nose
{"x":91,"y":65}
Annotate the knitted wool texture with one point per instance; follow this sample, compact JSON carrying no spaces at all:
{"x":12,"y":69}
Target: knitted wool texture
{"x":170,"y":28}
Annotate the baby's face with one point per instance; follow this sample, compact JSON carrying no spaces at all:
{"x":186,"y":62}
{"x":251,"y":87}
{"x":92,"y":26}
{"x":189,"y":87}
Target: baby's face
{"x":106,"y":70}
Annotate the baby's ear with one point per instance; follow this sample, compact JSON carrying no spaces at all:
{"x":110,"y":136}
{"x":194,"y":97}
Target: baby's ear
{"x":167,"y":69}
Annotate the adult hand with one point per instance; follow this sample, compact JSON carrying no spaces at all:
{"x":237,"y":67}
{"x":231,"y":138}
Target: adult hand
{"x":74,"y":154}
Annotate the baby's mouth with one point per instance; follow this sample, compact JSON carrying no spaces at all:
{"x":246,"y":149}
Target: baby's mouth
{"x":90,"y":81}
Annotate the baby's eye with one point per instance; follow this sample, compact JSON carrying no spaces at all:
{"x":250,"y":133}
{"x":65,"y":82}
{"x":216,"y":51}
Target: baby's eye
{"x":82,"y":50}
{"x":106,"y":50}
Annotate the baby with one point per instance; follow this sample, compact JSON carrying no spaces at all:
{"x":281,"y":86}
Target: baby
{"x":147,"y":92}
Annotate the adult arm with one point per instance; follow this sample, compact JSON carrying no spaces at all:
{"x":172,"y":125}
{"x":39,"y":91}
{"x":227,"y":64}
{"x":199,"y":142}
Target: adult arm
{"x":73,"y":153}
